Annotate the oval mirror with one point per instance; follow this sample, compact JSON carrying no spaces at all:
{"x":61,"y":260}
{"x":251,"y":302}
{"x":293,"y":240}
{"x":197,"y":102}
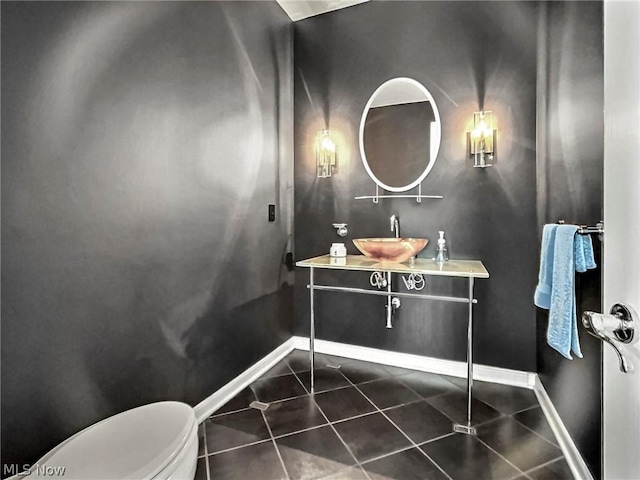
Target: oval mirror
{"x":399,"y":134}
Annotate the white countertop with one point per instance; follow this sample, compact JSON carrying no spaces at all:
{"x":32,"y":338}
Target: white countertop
{"x":450,"y":268}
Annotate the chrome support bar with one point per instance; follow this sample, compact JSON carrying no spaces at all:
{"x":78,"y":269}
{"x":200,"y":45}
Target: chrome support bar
{"x":312,"y":332}
{"x":470,"y":351}
{"x":396,"y":294}
{"x":393,"y":302}
{"x":468,"y":429}
{"x":389,"y":299}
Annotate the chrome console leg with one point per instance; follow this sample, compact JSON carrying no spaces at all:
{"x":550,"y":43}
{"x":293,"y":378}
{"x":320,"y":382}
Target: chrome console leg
{"x":312,"y":330}
{"x":389,"y":302}
{"x":468,"y":429}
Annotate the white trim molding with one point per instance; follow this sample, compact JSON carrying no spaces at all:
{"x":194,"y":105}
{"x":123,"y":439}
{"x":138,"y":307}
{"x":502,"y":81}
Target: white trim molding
{"x":212,"y":403}
{"x":485,"y":373}
{"x":453,"y":368}
{"x":571,"y":453}
{"x":405,"y":360}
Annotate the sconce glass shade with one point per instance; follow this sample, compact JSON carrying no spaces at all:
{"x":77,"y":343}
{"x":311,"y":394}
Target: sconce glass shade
{"x":325,"y":154}
{"x":482,"y":139}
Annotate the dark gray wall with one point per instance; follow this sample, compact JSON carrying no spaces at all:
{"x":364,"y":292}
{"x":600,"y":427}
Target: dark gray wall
{"x":141,"y":144}
{"x":570,"y":168}
{"x":470,"y":55}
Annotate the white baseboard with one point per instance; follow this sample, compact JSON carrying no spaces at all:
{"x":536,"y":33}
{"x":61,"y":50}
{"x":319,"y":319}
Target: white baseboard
{"x":485,"y":373}
{"x":414,"y":362}
{"x":212,"y":403}
{"x":575,"y":461}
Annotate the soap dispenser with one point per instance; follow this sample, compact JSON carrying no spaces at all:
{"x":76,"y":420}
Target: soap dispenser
{"x":442,"y":255}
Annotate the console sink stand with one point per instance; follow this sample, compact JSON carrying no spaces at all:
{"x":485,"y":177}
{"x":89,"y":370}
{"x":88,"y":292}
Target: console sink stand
{"x":469,"y":269}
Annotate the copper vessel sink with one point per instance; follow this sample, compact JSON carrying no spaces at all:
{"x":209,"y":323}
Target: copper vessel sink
{"x":390,"y":249}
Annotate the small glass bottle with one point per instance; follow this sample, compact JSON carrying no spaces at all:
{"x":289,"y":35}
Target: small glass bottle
{"x":442,"y":255}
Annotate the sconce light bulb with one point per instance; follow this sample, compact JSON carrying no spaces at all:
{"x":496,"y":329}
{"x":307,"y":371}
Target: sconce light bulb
{"x":325,"y":154}
{"x":481,"y":146}
{"x":327,"y":144}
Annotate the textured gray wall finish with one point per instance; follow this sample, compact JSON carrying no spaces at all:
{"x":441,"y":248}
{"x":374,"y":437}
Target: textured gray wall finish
{"x":141,"y":144}
{"x":469,"y":55}
{"x":540,"y":71}
{"x":570,"y":169}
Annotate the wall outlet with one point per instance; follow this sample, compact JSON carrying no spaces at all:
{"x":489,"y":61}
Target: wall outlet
{"x":272,"y":213}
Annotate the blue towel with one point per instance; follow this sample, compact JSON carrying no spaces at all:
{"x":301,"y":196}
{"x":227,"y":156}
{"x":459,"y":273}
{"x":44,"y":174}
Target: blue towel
{"x":562,"y":333}
{"x":562,"y":254}
{"x":583,"y":253}
{"x":542,"y":296}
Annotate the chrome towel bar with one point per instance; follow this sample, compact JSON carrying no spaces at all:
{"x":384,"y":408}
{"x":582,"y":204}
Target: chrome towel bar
{"x":587,"y":230}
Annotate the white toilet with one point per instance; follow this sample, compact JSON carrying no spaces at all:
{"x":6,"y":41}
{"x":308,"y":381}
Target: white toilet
{"x":153,"y":442}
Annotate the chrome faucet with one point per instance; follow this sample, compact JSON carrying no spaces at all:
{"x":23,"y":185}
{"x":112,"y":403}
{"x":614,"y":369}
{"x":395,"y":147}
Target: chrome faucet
{"x":395,"y":225}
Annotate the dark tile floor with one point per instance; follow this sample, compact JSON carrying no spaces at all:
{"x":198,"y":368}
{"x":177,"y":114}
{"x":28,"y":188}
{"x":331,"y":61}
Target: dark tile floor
{"x":370,"y":422}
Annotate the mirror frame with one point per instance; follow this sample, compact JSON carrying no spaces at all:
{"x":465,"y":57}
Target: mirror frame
{"x":436,"y":135}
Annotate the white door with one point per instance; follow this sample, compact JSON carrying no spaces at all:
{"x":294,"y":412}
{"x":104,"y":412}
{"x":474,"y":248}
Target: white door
{"x":622,"y":230}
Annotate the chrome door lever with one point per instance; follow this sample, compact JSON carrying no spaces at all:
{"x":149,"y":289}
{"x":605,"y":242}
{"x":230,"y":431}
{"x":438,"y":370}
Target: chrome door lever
{"x":619,"y":324}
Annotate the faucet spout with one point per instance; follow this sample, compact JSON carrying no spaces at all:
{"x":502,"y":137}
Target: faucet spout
{"x":395,"y":225}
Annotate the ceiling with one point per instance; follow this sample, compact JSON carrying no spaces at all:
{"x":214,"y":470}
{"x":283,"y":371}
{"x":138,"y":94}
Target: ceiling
{"x":299,"y":9}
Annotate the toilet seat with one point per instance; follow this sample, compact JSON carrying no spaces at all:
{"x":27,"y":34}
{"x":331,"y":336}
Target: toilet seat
{"x":137,"y":444}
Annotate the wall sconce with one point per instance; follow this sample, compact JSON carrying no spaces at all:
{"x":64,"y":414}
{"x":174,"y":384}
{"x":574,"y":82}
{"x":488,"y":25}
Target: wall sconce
{"x":325,"y":154}
{"x":482,"y":139}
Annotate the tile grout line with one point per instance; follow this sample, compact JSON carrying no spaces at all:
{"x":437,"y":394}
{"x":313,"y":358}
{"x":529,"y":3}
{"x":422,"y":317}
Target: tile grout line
{"x":427,"y":399}
{"x":533,"y":431}
{"x":214,"y":414}
{"x":359,"y":465}
{"x":525,"y":409}
{"x":511,"y":416}
{"x":538,"y":434}
{"x":502,"y":415}
{"x":438,"y":394}
{"x":478,"y":424}
{"x":537,"y":467}
{"x":520,"y":472}
{"x":390,"y":454}
{"x":206,"y":451}
{"x":312,"y":397}
{"x":355,"y":417}
{"x":295,"y":374}
{"x":238,"y":447}
{"x":497,"y":409}
{"x":453,"y":420}
{"x":228,"y":413}
{"x":271,"y":436}
{"x":273,"y":441}
{"x":340,"y":438}
{"x":295,"y":432}
{"x":413,"y":444}
{"x":436,"y":438}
